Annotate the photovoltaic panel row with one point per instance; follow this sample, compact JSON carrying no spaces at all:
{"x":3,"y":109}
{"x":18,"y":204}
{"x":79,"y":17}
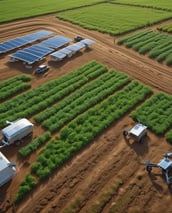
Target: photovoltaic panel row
{"x":32,"y":54}
{"x":56,"y":42}
{"x":71,"y":49}
{"x":21,"y":41}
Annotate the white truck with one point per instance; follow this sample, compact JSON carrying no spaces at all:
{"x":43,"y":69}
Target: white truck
{"x":16,"y":131}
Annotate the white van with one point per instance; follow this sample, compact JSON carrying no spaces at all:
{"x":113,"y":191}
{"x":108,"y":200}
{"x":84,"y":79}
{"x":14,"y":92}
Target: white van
{"x":16,"y":131}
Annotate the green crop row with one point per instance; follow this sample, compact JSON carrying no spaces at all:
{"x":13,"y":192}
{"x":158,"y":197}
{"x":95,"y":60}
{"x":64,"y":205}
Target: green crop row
{"x":114,"y":19}
{"x":166,"y":28}
{"x":13,"y":85}
{"x":156,"y":44}
{"x":25,"y":187}
{"x":35,"y":100}
{"x":156,"y":113}
{"x":87,"y":126}
{"x":56,"y":116}
{"x":32,"y":146}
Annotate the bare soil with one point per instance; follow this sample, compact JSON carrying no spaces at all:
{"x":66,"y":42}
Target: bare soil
{"x":110,"y":159}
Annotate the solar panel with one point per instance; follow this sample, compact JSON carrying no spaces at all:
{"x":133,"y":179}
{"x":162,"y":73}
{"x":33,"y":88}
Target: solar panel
{"x":74,"y":47}
{"x":87,"y":41}
{"x":2,"y":49}
{"x":38,"y":50}
{"x":25,"y":56}
{"x":59,"y":55}
{"x":21,"y":41}
{"x":65,"y":51}
{"x":5,"y":47}
{"x":11,"y":44}
{"x":56,"y":42}
{"x":32,"y":54}
{"x":81,"y":45}
{"x":42,"y":48}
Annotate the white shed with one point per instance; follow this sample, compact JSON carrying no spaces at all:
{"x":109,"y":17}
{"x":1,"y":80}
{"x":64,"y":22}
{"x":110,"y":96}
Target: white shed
{"x":7,"y":169}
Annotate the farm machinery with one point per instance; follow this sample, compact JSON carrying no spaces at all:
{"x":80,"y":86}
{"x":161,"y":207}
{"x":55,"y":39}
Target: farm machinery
{"x":165,"y":164}
{"x":138,"y":132}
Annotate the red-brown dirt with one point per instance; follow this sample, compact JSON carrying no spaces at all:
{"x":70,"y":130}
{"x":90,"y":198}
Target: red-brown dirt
{"x":107,"y":161}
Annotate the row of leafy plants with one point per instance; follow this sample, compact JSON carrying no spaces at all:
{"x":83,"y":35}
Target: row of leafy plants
{"x":87,"y":126}
{"x":90,"y":94}
{"x":16,"y":84}
{"x":27,"y":184}
{"x":166,"y":28}
{"x":158,"y":45}
{"x":33,"y":145}
{"x":35,"y":100}
{"x":156,"y":113}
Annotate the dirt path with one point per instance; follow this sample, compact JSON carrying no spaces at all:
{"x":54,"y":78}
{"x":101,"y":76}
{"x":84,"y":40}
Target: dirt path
{"x":109,"y":159}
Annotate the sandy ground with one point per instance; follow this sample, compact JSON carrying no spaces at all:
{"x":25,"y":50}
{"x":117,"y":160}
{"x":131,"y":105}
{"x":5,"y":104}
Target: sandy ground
{"x":109,"y":160}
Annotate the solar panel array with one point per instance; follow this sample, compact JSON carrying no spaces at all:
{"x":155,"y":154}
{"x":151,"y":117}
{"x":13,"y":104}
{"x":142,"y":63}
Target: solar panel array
{"x":21,"y":41}
{"x":56,"y":42}
{"x":71,"y":49}
{"x":32,"y":54}
{"x":37,"y":52}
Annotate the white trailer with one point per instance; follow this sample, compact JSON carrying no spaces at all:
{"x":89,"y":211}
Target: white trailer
{"x":7,"y":169}
{"x":16,"y":131}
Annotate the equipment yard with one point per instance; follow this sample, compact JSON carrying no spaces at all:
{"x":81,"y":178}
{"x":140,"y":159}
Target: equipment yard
{"x":109,"y":173}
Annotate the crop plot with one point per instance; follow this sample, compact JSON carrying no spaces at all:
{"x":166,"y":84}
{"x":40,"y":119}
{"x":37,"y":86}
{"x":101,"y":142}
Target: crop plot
{"x":90,"y":94}
{"x":166,"y":28}
{"x":14,"y":85}
{"x":156,"y":44}
{"x":113,"y":18}
{"x":87,"y":126}
{"x":33,"y":101}
{"x":156,"y":113}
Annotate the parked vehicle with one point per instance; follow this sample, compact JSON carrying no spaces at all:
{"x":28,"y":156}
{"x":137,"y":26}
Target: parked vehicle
{"x":16,"y":131}
{"x":42,"y":69}
{"x":78,"y":38}
{"x":138,"y":132}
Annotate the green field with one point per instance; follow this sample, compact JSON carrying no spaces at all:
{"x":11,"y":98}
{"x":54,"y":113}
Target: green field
{"x":17,"y":9}
{"x":161,"y":4}
{"x":114,"y":19}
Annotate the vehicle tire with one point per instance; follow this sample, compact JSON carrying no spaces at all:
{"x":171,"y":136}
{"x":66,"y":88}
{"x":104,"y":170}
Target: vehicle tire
{"x":18,"y":142}
{"x":125,"y":133}
{"x":149,"y":169}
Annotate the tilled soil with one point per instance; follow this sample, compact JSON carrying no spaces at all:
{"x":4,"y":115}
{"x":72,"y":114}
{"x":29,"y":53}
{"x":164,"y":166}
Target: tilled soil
{"x":109,"y":174}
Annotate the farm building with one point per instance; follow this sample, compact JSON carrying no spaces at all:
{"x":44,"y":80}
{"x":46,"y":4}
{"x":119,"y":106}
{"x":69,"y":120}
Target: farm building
{"x":7,"y":169}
